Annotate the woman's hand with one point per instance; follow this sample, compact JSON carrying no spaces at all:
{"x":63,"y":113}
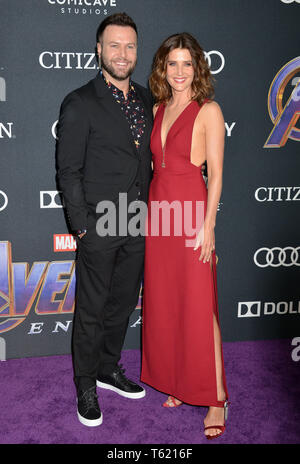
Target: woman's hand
{"x":205,"y":239}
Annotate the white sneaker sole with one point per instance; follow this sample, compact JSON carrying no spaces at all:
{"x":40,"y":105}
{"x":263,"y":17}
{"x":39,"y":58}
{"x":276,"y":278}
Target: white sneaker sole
{"x":107,"y":386}
{"x":89,"y":422}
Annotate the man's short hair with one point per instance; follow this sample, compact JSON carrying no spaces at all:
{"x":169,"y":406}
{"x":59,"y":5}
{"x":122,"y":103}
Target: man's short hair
{"x":117,"y":19}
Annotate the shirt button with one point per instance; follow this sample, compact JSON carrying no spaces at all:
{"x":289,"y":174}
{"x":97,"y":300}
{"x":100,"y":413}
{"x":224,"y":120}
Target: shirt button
{"x":137,"y":184}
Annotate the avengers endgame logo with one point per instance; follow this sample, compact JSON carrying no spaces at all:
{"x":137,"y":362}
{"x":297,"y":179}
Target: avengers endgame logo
{"x":48,"y":287}
{"x":84,"y":7}
{"x":284,"y":118}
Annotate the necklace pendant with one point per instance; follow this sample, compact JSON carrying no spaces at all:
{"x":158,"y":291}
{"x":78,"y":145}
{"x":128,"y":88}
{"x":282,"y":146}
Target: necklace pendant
{"x":163,"y":164}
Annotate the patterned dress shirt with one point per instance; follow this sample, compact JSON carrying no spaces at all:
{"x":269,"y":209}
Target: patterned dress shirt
{"x":133,"y":109}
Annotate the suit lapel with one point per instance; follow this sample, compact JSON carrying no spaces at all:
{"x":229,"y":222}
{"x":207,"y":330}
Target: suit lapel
{"x":115,"y":111}
{"x":148,"y":114}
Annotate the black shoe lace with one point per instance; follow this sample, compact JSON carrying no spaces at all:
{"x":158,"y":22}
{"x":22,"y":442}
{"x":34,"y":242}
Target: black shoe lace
{"x":90,"y":399}
{"x":121,"y":371}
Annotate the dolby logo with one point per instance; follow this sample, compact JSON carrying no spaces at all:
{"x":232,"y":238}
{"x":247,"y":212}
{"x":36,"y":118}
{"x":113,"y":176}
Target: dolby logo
{"x":277,"y":194}
{"x":50,"y":199}
{"x":84,"y":7}
{"x":67,"y":60}
{"x":258,"y":308}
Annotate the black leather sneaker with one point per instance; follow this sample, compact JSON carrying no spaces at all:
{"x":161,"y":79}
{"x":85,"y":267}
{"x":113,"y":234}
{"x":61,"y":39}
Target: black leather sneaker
{"x":119,"y":383}
{"x":88,"y":410}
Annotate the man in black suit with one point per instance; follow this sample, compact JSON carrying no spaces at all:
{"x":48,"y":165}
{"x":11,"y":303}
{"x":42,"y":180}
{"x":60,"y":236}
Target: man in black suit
{"x":103,"y":150}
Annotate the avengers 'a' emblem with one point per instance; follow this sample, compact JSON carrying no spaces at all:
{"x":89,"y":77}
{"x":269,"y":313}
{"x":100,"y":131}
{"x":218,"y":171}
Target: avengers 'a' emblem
{"x":284,"y":119}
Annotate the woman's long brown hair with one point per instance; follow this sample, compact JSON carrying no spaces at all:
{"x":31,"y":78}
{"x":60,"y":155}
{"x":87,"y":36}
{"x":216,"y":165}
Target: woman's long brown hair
{"x":202,"y":86}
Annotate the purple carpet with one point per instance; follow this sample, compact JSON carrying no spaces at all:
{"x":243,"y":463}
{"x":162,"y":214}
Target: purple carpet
{"x":38,"y":402}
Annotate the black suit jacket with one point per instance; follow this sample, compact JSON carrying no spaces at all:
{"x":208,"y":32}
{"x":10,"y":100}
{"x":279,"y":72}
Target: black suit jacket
{"x":96,"y":154}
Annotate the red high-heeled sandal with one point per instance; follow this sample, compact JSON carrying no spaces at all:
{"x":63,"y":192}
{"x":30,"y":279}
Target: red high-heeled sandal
{"x":171,"y":399}
{"x":218,"y":427}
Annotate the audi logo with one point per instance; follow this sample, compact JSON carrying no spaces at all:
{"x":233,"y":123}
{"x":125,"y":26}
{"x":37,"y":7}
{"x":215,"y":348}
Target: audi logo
{"x":276,"y":257}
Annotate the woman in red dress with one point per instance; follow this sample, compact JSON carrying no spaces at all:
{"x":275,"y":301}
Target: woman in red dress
{"x":182,"y":350}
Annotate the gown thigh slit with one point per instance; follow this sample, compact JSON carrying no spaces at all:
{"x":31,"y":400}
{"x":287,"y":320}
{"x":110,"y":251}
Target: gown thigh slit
{"x":180,"y":292}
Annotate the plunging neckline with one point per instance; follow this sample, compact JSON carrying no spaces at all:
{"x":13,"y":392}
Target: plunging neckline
{"x":162,"y":120}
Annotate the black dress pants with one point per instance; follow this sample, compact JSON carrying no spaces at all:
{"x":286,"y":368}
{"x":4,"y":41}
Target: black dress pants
{"x":108,"y":274}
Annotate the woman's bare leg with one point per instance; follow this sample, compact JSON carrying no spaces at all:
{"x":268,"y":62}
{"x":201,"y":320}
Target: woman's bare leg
{"x":215,"y":415}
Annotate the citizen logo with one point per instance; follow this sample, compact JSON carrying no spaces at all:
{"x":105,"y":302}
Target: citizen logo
{"x":50,"y":199}
{"x":6,"y":130}
{"x":277,"y":194}
{"x":67,"y":60}
{"x":269,"y":308}
{"x":2,"y":89}
{"x":64,"y":242}
{"x":276,"y":256}
{"x":81,"y":60}
{"x":3,"y":200}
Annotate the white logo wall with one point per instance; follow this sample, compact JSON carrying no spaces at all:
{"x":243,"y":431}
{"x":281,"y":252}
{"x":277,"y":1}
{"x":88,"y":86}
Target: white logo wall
{"x":256,"y":230}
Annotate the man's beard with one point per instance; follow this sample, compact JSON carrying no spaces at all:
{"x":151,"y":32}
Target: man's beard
{"x":110,"y":70}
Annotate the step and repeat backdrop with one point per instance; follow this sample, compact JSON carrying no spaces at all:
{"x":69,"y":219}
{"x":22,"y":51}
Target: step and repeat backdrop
{"x":252,"y":47}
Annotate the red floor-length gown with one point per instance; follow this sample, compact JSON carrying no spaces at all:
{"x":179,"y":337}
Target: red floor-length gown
{"x":180,"y":292}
